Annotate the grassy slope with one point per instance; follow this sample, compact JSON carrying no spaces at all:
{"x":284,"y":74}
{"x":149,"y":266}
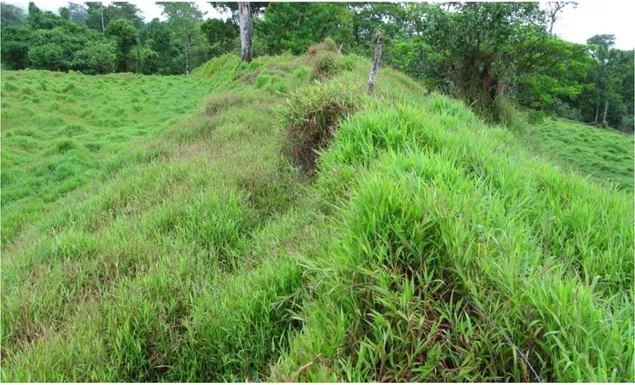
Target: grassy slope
{"x":602,"y":153}
{"x":425,"y":241}
{"x":62,"y":131}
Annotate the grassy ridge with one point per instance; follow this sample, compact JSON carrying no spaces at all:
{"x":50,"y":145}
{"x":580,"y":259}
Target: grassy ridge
{"x":423,"y":243}
{"x":454,"y":239}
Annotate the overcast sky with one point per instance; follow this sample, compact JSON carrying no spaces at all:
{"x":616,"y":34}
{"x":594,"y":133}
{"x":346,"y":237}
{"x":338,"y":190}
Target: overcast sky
{"x":591,"y":17}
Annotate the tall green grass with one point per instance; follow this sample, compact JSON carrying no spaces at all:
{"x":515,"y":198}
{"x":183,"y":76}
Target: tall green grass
{"x":429,"y":246}
{"x":452,"y":242}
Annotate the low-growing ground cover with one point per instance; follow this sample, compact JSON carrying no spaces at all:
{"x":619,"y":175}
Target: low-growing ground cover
{"x":420,"y":244}
{"x":605,"y":154}
{"x":62,"y":131}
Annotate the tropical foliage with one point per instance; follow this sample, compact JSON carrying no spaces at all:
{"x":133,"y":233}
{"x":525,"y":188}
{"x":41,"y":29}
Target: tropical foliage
{"x":480,"y":52}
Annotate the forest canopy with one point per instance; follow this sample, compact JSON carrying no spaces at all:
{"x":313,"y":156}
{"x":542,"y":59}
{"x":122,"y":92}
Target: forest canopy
{"x":487,"y":54}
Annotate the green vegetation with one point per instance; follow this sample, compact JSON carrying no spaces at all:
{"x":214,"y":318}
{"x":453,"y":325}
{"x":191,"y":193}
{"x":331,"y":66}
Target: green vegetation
{"x":423,"y":243}
{"x":64,"y":131}
{"x":602,"y":153}
{"x":487,"y":54}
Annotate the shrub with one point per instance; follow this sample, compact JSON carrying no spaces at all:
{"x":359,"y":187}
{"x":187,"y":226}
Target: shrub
{"x":627,"y":124}
{"x":563,"y":110}
{"x":9,"y":87}
{"x":312,"y":114}
{"x":28,"y":91}
{"x":301,"y":74}
{"x":325,"y":65}
{"x":504,"y":111}
{"x":96,"y":58}
{"x":262,"y":80}
{"x":48,"y":56}
{"x":535,"y":117}
{"x":276,"y":86}
{"x":348,"y":64}
{"x":328,"y":45}
{"x":72,"y":130}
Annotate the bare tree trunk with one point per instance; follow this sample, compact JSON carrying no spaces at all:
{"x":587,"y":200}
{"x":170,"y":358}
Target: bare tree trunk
{"x":187,"y":60}
{"x":244,"y":15}
{"x":597,"y":111}
{"x":606,"y":108}
{"x":102,"y":17}
{"x":375,"y":66}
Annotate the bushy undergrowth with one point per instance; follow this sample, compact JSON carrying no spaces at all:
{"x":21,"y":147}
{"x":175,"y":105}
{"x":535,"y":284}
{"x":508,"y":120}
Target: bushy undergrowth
{"x":426,"y":242}
{"x":326,"y":65}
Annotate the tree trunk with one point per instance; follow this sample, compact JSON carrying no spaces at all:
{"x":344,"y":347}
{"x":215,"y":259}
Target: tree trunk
{"x":597,"y":111}
{"x":244,"y":15}
{"x":606,"y":108}
{"x":187,"y":60}
{"x":375,"y":66}
{"x":102,"y":17}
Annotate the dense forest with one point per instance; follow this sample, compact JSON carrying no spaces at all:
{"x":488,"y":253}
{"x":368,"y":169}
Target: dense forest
{"x":491,"y":55}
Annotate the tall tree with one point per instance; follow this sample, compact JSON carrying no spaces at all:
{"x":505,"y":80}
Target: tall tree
{"x":221,"y":35}
{"x":65,"y":13}
{"x":296,"y":26}
{"x":15,"y":46}
{"x":471,"y":50}
{"x":11,"y":15}
{"x":38,"y":19}
{"x":601,"y":47}
{"x":184,"y":20}
{"x":98,"y":15}
{"x":553,"y":9}
{"x":125,"y":34}
{"x":77,"y":12}
{"x":245,"y":31}
{"x":256,"y":8}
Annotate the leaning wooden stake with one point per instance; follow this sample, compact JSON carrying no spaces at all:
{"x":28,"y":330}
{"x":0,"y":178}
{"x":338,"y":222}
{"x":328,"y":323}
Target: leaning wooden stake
{"x":373,"y":69}
{"x":244,"y":15}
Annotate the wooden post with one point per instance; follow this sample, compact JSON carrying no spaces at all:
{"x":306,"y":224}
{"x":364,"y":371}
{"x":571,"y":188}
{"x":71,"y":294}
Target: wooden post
{"x":375,"y":66}
{"x":244,"y":15}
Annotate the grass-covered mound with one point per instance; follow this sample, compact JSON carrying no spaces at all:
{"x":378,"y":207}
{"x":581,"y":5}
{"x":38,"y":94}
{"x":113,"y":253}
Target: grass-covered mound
{"x":424,"y":248}
{"x":452,"y":241}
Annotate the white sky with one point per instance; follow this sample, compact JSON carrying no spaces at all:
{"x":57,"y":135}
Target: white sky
{"x":595,"y":17}
{"x":591,"y":17}
{"x":149,"y":9}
